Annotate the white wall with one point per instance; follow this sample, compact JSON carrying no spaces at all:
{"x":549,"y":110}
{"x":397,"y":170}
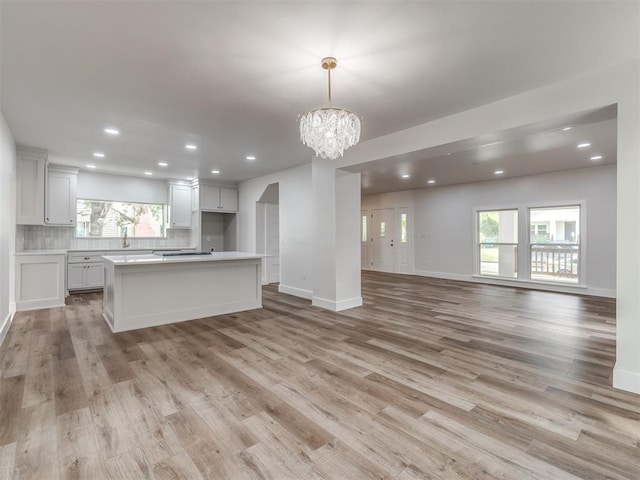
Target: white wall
{"x":121,"y":188}
{"x":295,"y":192}
{"x":7,"y":225}
{"x":443,"y":223}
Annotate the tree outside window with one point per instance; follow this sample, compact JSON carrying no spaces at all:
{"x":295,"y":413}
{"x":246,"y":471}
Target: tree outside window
{"x":97,"y":218}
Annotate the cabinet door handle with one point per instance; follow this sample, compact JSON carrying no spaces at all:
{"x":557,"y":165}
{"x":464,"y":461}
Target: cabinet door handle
{"x":87,"y":258}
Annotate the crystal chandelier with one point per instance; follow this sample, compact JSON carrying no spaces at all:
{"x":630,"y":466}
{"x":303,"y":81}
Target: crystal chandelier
{"x":329,"y":131}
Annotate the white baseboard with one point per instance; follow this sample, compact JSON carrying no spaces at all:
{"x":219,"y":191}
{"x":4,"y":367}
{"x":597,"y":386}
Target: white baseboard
{"x":6,"y":323}
{"x":297,"y":292}
{"x":626,"y":380}
{"x":577,"y":289}
{"x":337,"y":306}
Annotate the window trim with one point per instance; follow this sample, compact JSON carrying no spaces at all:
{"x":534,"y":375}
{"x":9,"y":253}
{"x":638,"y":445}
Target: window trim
{"x":582,"y":250}
{"x":524,"y":240}
{"x":477,"y":271}
{"x":165,"y":212}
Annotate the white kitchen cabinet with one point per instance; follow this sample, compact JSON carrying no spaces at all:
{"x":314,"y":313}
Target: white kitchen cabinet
{"x":229,"y":199}
{"x":219,"y":199}
{"x":195,"y":198}
{"x":179,"y":206}
{"x":82,"y":276}
{"x":85,"y":270}
{"x":39,"y":280}
{"x":60,"y":206}
{"x":30,"y":177}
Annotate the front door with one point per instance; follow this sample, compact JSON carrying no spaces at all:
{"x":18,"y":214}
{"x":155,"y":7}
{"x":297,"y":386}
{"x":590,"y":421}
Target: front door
{"x":382,"y":240}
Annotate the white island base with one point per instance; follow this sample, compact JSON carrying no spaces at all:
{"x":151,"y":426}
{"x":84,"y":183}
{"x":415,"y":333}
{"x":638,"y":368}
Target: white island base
{"x":147,"y":290}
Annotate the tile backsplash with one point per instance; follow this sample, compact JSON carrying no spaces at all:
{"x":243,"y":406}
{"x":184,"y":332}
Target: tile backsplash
{"x":37,"y":237}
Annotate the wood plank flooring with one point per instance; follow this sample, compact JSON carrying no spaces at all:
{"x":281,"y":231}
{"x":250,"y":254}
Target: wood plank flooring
{"x":430,"y":379}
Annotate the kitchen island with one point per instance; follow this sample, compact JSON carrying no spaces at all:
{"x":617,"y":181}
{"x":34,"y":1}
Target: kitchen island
{"x":147,"y":290}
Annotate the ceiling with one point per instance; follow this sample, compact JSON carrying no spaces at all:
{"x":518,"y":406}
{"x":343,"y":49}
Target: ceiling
{"x":232,"y":78}
{"x":543,"y":147}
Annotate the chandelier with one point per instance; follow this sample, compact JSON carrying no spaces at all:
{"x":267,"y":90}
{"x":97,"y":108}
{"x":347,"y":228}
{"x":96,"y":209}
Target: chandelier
{"x":329,"y":131}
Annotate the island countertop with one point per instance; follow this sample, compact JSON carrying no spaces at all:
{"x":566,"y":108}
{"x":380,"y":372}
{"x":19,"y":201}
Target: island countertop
{"x":150,"y":259}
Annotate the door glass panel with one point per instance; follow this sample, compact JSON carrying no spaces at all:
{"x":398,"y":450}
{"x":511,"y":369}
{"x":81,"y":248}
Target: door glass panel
{"x":403,"y":228}
{"x":364,"y":228}
{"x":383,"y":229}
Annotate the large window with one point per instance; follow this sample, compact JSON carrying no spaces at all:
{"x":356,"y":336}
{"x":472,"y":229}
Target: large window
{"x":113,"y":219}
{"x":555,"y":243}
{"x":498,"y":243}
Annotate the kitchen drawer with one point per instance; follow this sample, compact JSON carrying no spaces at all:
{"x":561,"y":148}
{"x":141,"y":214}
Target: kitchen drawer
{"x":85,"y":257}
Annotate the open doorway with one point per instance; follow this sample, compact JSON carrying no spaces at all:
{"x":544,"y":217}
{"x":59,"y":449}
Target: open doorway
{"x":268,"y":232}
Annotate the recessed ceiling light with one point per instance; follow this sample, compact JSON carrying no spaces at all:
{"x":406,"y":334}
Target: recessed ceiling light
{"x":596,"y":157}
{"x":163,"y":164}
{"x":91,"y":165}
{"x":584,"y":145}
{"x":251,"y":157}
{"x":148,"y":173}
{"x":98,"y":154}
{"x":111,"y":131}
{"x":191,"y":146}
{"x":566,"y":128}
{"x":498,"y":172}
{"x":406,"y":175}
{"x":215,"y":172}
{"x":431,"y":182}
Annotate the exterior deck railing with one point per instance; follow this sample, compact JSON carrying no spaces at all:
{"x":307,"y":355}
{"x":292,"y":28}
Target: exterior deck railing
{"x":555,"y":261}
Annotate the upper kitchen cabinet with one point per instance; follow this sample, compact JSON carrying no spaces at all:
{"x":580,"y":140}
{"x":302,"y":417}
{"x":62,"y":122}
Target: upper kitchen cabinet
{"x":179,"y":205}
{"x":30,"y":178}
{"x":60,"y":207}
{"x":218,"y":199}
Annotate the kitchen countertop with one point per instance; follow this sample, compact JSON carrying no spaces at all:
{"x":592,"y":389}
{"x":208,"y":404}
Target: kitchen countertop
{"x":129,"y":249}
{"x":159,"y":259}
{"x":124,"y":250}
{"x":41,"y":252}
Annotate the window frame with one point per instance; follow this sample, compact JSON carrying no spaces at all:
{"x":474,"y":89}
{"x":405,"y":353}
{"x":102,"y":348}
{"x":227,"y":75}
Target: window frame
{"x":165,"y":222}
{"x":582,"y":266}
{"x":524,"y":240}
{"x":477,"y":257}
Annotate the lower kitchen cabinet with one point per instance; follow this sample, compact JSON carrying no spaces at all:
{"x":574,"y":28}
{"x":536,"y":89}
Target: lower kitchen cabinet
{"x":40,"y":280}
{"x":82,"y":276}
{"x":85,"y":270}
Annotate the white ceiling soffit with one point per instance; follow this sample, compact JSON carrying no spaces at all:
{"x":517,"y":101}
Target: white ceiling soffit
{"x":232,"y":77}
{"x":542,"y":147}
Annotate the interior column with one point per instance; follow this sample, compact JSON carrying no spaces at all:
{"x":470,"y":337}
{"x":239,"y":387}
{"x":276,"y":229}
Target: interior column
{"x":336,"y":237}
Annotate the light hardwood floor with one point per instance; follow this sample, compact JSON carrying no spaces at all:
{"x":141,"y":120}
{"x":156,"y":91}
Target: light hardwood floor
{"x":430,"y":379}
